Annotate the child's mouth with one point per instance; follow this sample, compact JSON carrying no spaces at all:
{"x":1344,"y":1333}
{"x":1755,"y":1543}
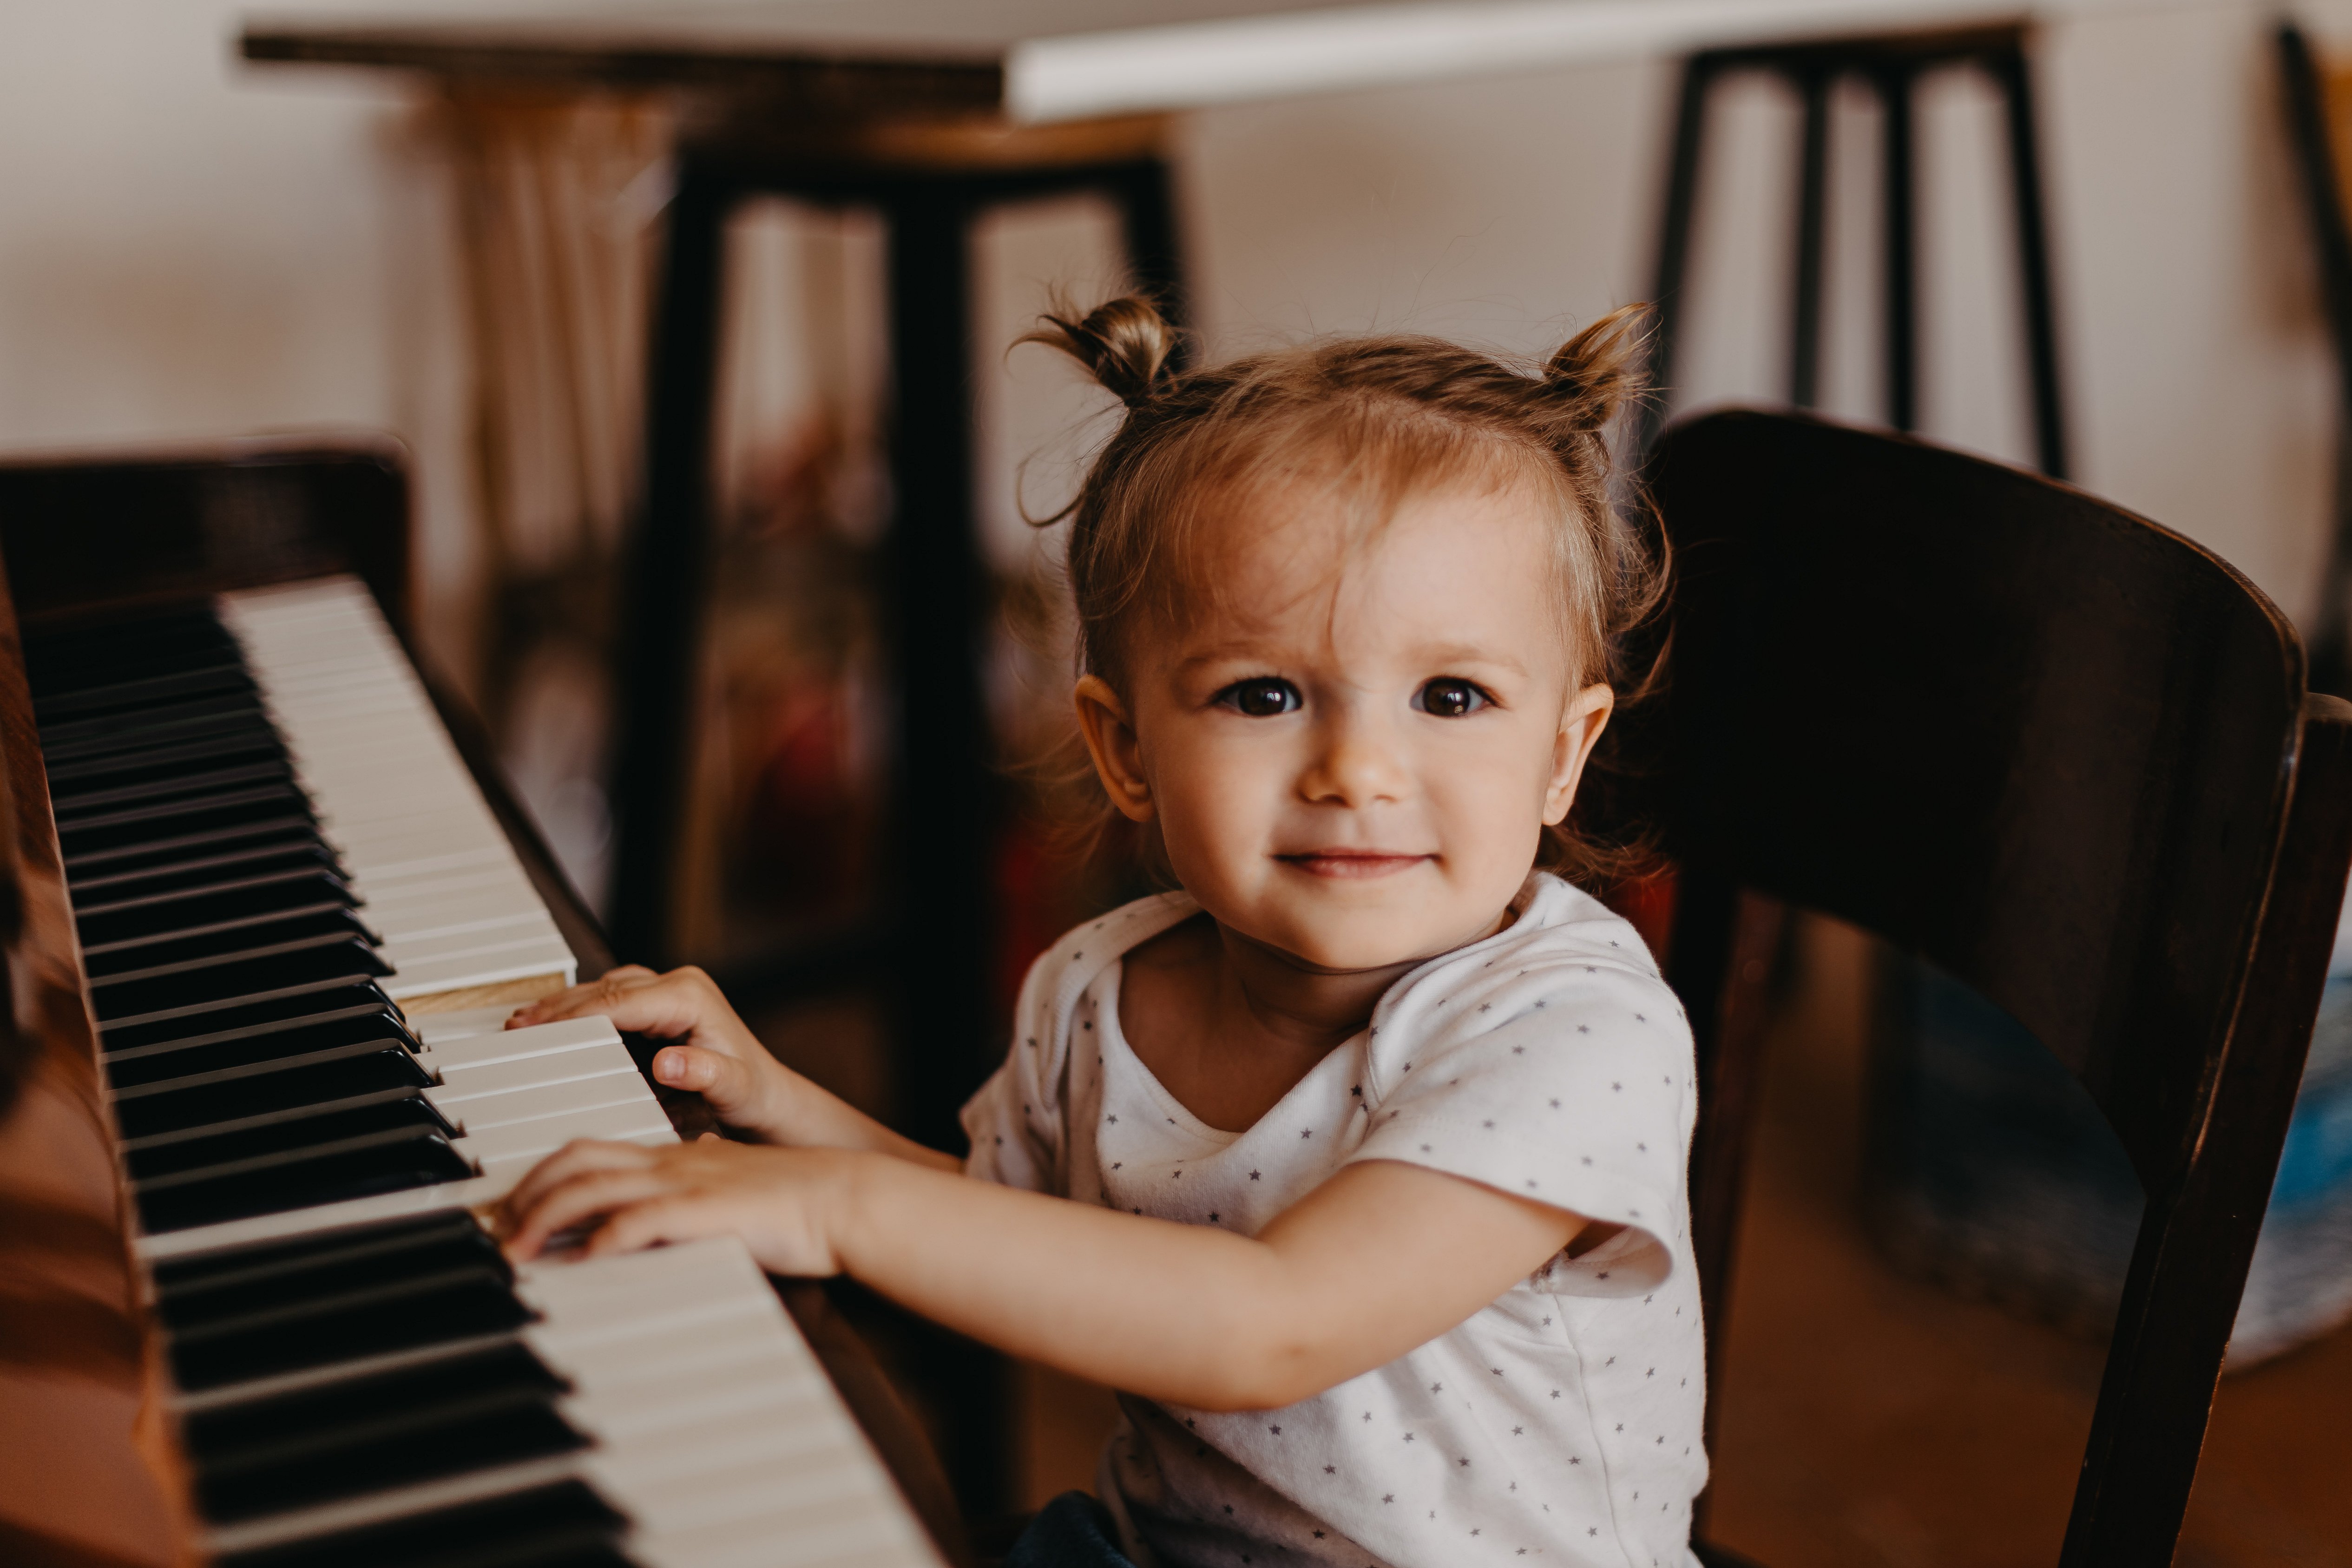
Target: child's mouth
{"x":1352,"y":863}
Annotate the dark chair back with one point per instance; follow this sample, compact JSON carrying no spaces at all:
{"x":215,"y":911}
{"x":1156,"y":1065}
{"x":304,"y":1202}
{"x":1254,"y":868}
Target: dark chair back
{"x":2056,"y":749}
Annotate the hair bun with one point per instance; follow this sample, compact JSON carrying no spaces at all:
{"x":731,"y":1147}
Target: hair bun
{"x":1126,"y":344}
{"x":1599,"y":371}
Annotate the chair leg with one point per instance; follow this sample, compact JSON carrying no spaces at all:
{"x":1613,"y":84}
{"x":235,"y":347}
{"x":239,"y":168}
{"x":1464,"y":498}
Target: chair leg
{"x":2014,"y":76}
{"x":661,"y":613}
{"x":1146,"y":194}
{"x":1901,"y":253}
{"x":1812,"y":214}
{"x":1673,"y":242}
{"x":943,"y":816}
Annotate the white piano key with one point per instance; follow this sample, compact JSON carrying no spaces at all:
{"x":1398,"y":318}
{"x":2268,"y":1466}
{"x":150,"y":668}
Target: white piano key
{"x":436,"y":976}
{"x":499,"y":1043}
{"x":439,"y":905}
{"x":480,"y":1114}
{"x":436,"y":1030}
{"x":521,"y":1144}
{"x":405,"y":944}
{"x":461,"y":1084}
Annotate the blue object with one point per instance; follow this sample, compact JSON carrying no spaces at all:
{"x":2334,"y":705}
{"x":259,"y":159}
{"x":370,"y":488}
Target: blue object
{"x":1073,"y":1530}
{"x":1990,"y":1169}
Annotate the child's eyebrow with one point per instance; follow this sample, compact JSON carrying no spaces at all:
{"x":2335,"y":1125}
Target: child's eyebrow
{"x":1469,"y":653}
{"x":1437,"y":657}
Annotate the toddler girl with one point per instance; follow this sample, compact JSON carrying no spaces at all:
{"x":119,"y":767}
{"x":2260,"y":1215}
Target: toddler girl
{"x":1357,"y":1165}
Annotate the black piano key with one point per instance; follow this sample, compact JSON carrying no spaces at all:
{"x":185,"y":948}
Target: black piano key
{"x":373,"y":1435}
{"x":173,"y":761}
{"x":227,"y":940}
{"x":292,"y":830}
{"x":265,"y":1427}
{"x":141,"y":788}
{"x":343,"y":1258}
{"x":477,"y":1434}
{"x":128,"y":734}
{"x":434,"y":1307}
{"x":151,"y":692}
{"x":211,"y":1156}
{"x":107,"y":892}
{"x":128,"y":997}
{"x":242,"y":1096}
{"x":215,"y":746}
{"x":143,"y":1080}
{"x":278,"y":1041}
{"x":102,"y":918}
{"x":285,"y":1009}
{"x":335,"y":1175}
{"x":113,"y":873}
{"x":182,"y":822}
{"x":563,"y":1525}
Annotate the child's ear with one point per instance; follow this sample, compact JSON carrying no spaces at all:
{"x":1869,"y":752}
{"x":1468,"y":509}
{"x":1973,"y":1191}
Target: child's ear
{"x":1111,"y":741}
{"x":1580,"y":724}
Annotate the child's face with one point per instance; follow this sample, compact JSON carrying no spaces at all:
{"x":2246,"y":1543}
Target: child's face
{"x":1351,"y":752}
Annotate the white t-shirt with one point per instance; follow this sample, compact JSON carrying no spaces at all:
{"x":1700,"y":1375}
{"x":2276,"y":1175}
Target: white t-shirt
{"x":1562,"y":1422}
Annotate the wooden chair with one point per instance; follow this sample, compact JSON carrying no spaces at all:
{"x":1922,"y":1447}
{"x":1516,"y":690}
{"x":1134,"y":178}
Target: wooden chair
{"x":2063,"y":753}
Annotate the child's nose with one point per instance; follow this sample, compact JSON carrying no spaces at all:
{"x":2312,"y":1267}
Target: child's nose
{"x":1357,"y":763}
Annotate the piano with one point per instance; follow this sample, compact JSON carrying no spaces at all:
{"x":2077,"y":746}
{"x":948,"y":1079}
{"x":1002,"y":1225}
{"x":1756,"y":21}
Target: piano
{"x":267,"y":908}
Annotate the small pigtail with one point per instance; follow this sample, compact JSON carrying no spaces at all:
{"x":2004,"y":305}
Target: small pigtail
{"x":1600,"y":370}
{"x":1126,"y":345}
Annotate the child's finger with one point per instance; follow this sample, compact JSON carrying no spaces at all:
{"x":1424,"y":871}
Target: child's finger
{"x":579,"y":1200}
{"x":599,"y":995}
{"x":673,"y":1218}
{"x":728,"y":1084}
{"x":574,"y":1159}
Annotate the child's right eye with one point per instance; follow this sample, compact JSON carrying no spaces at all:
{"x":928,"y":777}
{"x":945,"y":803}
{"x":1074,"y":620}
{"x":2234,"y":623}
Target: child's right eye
{"x":1263,"y":697}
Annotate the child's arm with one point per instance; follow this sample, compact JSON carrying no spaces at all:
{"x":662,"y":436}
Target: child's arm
{"x":717,"y":1057}
{"x":1381,"y":1258}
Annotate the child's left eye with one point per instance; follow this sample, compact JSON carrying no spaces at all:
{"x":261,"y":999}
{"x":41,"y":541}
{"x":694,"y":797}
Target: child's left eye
{"x":1449,"y":698}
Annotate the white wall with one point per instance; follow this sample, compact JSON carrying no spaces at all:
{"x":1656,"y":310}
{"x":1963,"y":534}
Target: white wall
{"x":189,"y":246}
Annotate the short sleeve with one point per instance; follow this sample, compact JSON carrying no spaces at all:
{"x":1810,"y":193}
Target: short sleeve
{"x":1004,"y":1148}
{"x":1018,"y":1123}
{"x":1013,"y":1121}
{"x":1566,"y":1083}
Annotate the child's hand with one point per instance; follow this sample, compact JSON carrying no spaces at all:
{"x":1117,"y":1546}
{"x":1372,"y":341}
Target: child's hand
{"x":717,"y":1056}
{"x":784,"y":1203}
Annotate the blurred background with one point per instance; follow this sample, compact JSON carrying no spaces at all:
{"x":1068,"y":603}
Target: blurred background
{"x":191,"y":248}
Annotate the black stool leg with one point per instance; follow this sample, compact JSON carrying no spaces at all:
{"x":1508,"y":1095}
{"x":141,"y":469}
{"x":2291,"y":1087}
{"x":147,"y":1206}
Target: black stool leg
{"x":945,"y":818}
{"x":1673,"y":242}
{"x":2011,"y":70}
{"x":1812,"y":211}
{"x":1146,"y":194}
{"x":1902,"y":235}
{"x":668,"y":559}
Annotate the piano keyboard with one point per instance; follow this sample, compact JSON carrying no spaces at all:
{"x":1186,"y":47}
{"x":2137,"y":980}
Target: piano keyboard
{"x":423,"y":852}
{"x":398,"y":1396}
{"x":303,"y":931}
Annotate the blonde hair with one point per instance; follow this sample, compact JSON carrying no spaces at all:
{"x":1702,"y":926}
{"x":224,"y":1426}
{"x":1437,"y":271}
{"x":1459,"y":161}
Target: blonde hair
{"x":1375,"y":420}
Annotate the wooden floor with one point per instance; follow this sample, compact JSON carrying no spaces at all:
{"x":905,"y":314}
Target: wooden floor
{"x":1873,"y":1421}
